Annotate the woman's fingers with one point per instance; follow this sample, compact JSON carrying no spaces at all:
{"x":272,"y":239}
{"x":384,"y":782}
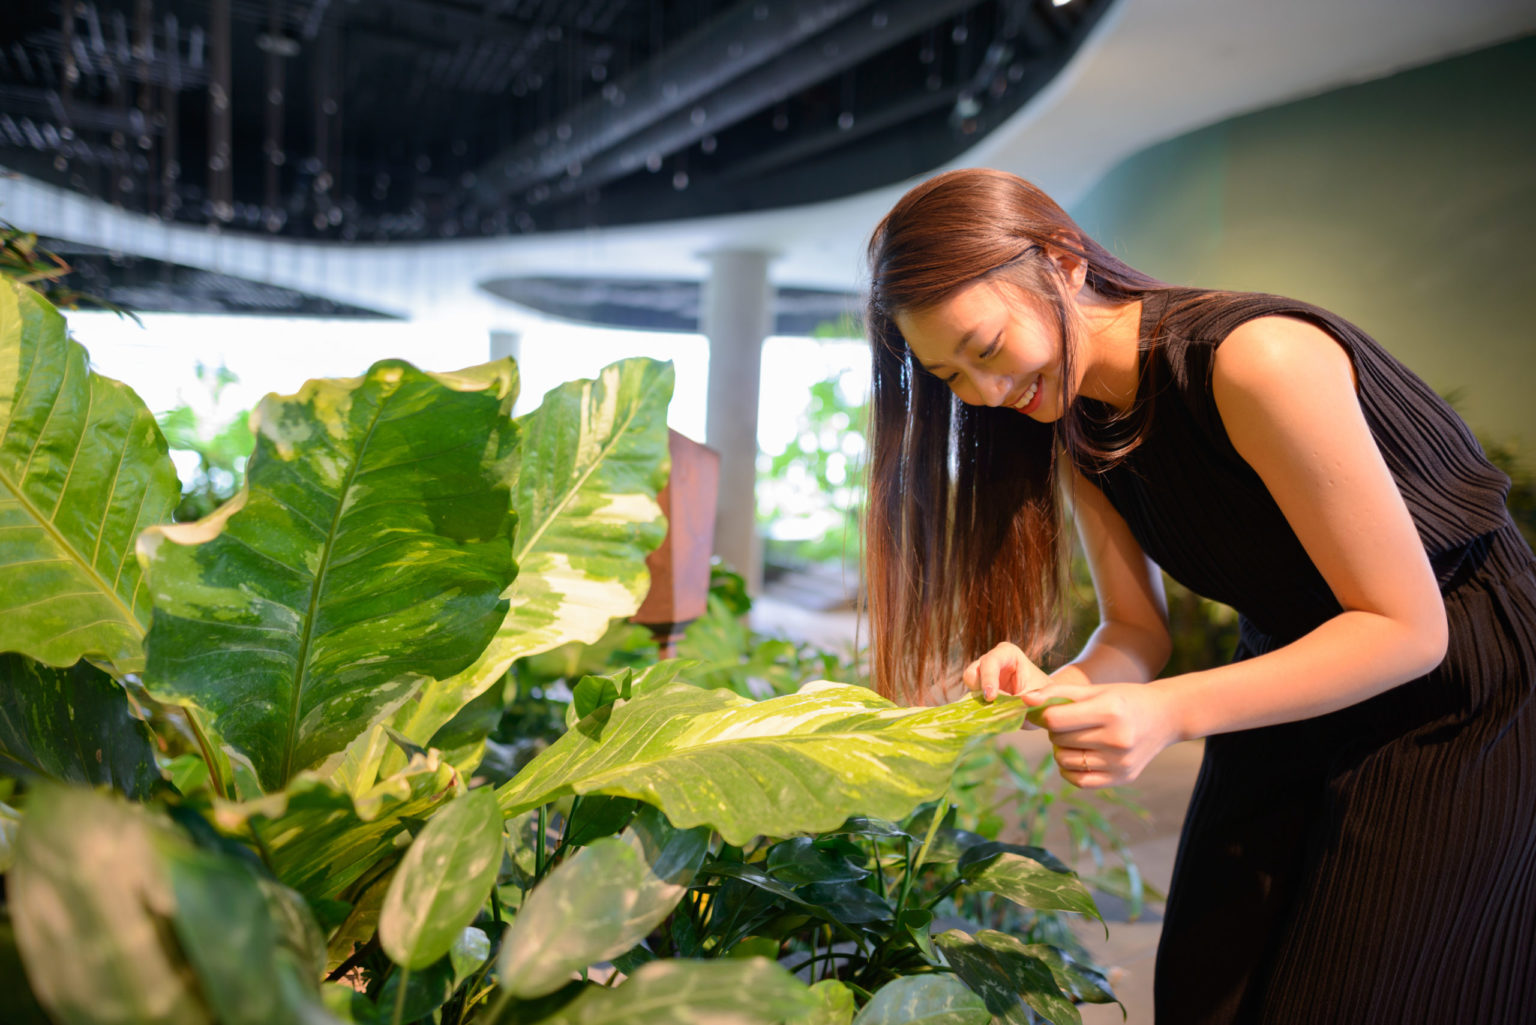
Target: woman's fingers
{"x":1003,"y":670}
{"x":1085,"y":767}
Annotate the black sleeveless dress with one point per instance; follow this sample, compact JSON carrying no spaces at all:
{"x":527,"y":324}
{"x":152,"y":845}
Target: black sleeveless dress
{"x":1376,"y":864}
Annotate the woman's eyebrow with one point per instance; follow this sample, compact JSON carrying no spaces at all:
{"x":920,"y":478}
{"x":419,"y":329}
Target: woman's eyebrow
{"x":965,"y":340}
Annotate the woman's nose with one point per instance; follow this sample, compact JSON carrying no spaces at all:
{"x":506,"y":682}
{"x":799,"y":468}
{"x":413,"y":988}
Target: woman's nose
{"x":993,"y":389}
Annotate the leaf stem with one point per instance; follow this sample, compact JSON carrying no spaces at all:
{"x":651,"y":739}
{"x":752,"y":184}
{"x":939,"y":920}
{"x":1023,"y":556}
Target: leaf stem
{"x":215,"y":777}
{"x":916,"y":864}
{"x":405,"y":978}
{"x":538,"y":850}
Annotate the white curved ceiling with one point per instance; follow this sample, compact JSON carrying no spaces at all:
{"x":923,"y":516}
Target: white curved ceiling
{"x":1152,"y":70}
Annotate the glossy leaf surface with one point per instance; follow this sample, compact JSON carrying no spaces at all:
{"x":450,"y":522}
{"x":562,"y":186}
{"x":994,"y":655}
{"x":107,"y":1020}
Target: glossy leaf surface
{"x":924,"y":1000}
{"x":376,"y":510}
{"x":1028,"y":876}
{"x":443,"y":880}
{"x":1008,"y":979}
{"x":72,"y":725}
{"x":598,"y":904}
{"x":83,"y":469}
{"x":802,"y":763}
{"x":593,"y":458}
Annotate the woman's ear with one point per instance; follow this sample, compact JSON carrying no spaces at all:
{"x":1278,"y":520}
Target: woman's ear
{"x":1072,"y":267}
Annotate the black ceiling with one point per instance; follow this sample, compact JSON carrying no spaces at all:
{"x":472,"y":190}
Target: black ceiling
{"x":413,"y":119}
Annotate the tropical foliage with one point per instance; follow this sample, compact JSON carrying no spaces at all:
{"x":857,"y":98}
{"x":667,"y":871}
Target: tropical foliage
{"x":240,"y":755}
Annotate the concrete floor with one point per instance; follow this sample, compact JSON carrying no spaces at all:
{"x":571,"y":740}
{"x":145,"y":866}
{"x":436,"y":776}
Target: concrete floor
{"x":1163,"y":790}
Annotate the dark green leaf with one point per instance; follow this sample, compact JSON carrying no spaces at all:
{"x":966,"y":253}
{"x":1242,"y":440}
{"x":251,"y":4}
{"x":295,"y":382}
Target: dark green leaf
{"x":1083,"y":983}
{"x":74,"y":725}
{"x":1029,"y":876}
{"x":21,"y":1007}
{"x":1007,"y":979}
{"x":849,"y":903}
{"x":801,"y":860}
{"x":598,"y":815}
{"x":426,"y":990}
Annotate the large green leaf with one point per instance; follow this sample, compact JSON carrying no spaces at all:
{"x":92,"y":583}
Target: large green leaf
{"x":924,"y":1000}
{"x":1007,"y":978}
{"x":367,"y":553}
{"x":753,"y":991}
{"x":72,"y":725}
{"x":443,"y":880}
{"x":593,"y":458}
{"x":83,"y":469}
{"x":599,"y":903}
{"x":121,"y":919}
{"x":802,"y":763}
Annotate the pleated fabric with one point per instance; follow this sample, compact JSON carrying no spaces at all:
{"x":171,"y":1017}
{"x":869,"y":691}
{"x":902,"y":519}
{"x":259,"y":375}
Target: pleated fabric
{"x":1377,"y":864}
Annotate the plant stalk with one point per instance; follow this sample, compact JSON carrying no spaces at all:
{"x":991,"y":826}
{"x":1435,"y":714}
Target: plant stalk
{"x":538,"y":850}
{"x":215,"y":777}
{"x":405,"y":978}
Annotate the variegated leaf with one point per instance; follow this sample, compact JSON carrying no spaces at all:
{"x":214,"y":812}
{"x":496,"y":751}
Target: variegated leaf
{"x":72,"y":725}
{"x":934,"y":999}
{"x":673,"y":991}
{"x":83,"y":469}
{"x":593,"y":458}
{"x":598,"y":904}
{"x":321,"y":840}
{"x":442,"y":881}
{"x":801,"y":763}
{"x":1028,"y":876}
{"x":367,"y":553}
{"x":1010,"y":982}
{"x":122,"y":920}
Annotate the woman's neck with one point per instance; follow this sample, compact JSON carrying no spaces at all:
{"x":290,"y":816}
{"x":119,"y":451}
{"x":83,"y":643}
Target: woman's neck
{"x":1110,"y":366}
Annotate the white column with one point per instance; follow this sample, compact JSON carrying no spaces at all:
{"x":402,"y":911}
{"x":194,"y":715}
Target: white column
{"x":506,"y":343}
{"x":735,"y":312}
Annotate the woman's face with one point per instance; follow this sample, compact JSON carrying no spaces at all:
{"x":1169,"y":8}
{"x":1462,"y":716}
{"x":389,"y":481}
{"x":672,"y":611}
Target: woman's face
{"x":991,"y":350}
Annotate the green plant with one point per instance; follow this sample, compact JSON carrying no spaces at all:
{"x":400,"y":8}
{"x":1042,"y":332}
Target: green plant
{"x":811,"y":489}
{"x":301,"y":837}
{"x":222,"y":448}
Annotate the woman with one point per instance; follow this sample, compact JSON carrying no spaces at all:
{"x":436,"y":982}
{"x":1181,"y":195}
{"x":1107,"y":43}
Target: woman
{"x":1361,"y":843}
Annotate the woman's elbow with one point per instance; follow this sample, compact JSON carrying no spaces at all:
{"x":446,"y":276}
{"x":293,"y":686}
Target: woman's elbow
{"x":1428,"y":639}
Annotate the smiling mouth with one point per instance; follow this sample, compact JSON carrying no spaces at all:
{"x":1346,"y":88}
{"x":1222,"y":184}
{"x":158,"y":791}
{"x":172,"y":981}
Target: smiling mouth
{"x":1031,"y":397}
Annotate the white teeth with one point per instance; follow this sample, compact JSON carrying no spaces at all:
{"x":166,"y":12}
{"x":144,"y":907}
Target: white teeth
{"x":1029,"y":394}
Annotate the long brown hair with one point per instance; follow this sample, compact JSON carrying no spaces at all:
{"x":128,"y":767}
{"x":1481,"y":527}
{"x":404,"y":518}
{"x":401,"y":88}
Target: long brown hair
{"x":964,"y":542}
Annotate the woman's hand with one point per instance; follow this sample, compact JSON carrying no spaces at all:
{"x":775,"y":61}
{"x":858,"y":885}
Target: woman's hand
{"x":1003,"y":670}
{"x":1107,"y":733}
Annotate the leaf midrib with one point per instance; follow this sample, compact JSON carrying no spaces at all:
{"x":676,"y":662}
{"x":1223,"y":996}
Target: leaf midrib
{"x":603,"y":453}
{"x":290,"y":740}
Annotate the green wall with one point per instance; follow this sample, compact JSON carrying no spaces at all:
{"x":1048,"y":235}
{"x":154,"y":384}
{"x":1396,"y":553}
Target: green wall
{"x":1406,"y":204}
